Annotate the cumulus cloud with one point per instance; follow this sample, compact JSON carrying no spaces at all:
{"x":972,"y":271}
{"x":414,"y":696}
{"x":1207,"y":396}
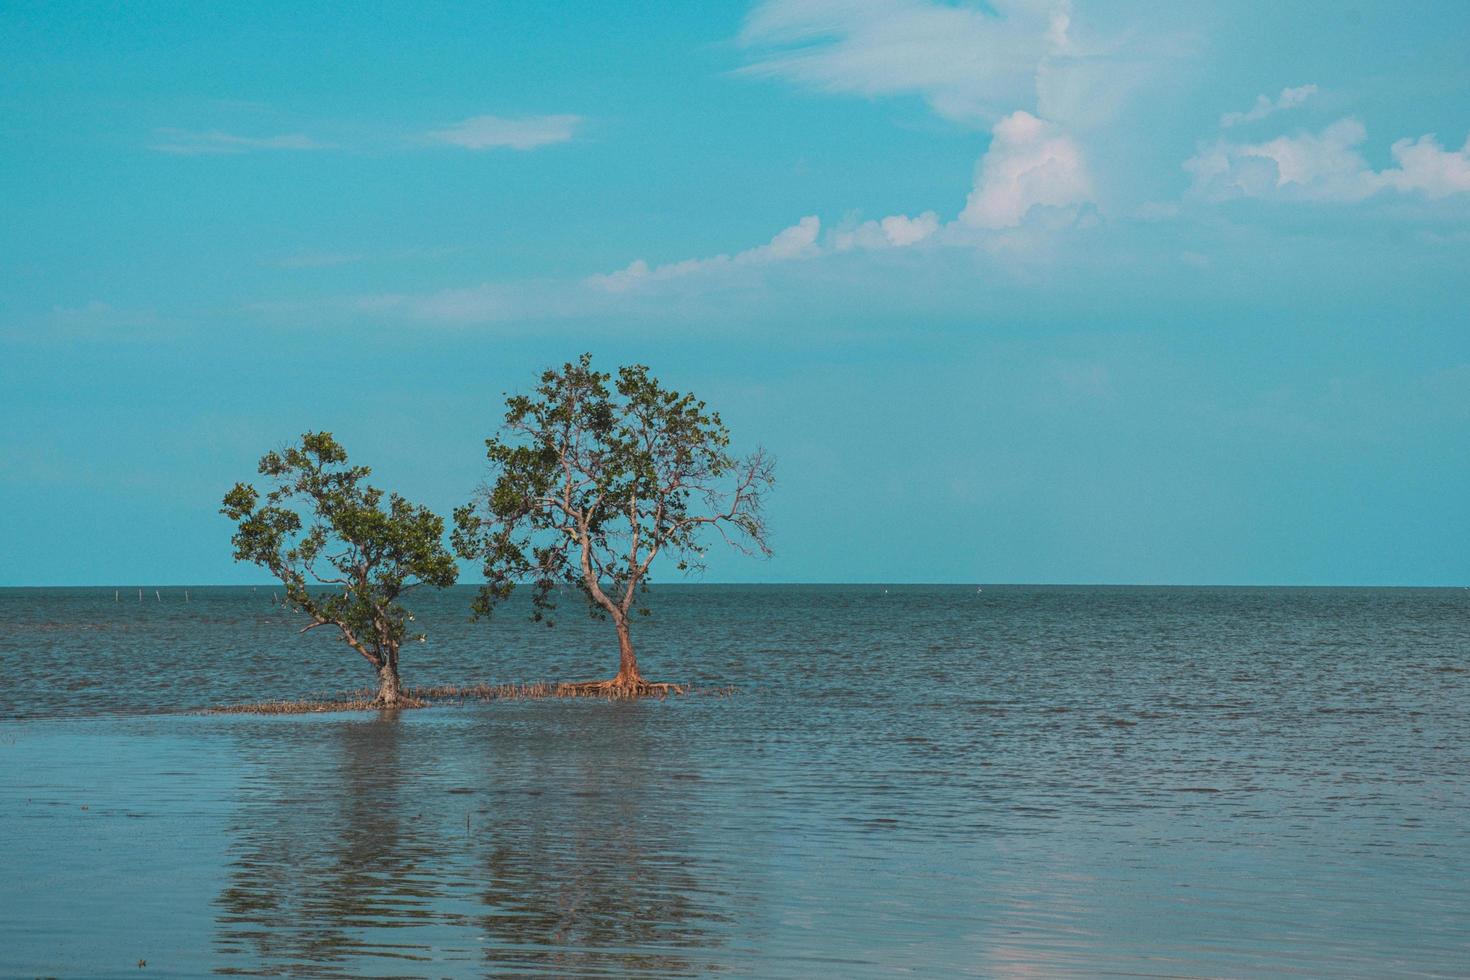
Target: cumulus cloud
{"x":796,"y":242}
{"x":1030,"y":162}
{"x":1326,"y":166}
{"x":1427,"y":167}
{"x":901,"y":230}
{"x":894,"y":231}
{"x":182,"y":142}
{"x":1289,"y":98}
{"x":489,"y":132}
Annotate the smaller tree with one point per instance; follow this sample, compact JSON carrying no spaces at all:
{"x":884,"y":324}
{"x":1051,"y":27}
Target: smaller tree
{"x":590,"y":484}
{"x":322,"y":525}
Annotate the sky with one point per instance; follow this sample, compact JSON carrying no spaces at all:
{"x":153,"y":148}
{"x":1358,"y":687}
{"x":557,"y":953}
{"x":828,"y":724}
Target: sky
{"x":1028,"y":291}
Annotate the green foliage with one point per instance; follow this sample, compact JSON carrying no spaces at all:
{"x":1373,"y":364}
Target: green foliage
{"x":323,"y":525}
{"x":593,"y":478}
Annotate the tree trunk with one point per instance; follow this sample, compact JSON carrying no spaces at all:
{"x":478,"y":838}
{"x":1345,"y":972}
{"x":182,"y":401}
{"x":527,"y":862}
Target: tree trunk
{"x":628,"y":683}
{"x":390,"y":689}
{"x":628,"y":675}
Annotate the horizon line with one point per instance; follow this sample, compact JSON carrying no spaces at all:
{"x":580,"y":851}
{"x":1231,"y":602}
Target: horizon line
{"x":829,"y":584}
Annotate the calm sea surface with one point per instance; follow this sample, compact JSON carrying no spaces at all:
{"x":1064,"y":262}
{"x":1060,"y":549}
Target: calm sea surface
{"x":1015,"y":782}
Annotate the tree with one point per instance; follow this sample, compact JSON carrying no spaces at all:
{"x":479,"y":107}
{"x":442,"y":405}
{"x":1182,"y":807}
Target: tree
{"x":324,"y":523}
{"x":589,"y":484}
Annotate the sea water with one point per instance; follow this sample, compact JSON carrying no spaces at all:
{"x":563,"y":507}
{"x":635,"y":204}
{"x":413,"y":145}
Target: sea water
{"x":1019,"y":781}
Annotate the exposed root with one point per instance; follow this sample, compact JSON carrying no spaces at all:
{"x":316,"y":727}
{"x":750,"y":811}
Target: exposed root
{"x":404,"y":700}
{"x":617,"y":690}
{"x":449,"y":694}
{"x":457,"y":694}
{"x":313,"y":706}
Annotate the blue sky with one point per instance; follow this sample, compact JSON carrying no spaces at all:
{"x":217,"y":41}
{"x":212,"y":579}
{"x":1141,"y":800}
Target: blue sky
{"x":1031,"y":291}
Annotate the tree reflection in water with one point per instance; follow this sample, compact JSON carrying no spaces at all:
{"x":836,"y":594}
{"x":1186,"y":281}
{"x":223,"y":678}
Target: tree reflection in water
{"x":387,"y":846}
{"x":326,"y":859}
{"x":597,"y":874}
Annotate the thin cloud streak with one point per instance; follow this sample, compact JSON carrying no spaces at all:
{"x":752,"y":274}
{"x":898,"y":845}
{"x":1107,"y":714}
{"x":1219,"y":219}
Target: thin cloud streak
{"x":476,"y":133}
{"x":494,"y":132}
{"x":214,"y":142}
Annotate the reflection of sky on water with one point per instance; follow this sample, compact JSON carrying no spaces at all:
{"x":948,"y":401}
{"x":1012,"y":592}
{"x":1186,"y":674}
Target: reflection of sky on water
{"x":478,"y":843}
{"x":1028,"y":782}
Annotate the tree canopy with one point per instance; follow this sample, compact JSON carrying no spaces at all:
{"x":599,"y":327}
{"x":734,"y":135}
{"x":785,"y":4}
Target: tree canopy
{"x":344,"y":558}
{"x":593,"y":479}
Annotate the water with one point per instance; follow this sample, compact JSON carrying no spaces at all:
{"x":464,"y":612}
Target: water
{"x":1019,"y":782}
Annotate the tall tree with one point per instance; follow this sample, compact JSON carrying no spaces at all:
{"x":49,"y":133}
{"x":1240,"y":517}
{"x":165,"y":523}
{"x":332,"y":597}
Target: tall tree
{"x":591,"y":482}
{"x":323,"y":526}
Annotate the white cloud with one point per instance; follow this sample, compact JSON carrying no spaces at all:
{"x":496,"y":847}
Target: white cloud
{"x":474,"y":304}
{"x":98,"y":316}
{"x":972,"y":62}
{"x":520,"y":300}
{"x":318,"y":260}
{"x":1289,"y":98}
{"x":1326,"y":166}
{"x":214,"y":142}
{"x":93,"y":320}
{"x":894,"y":231}
{"x":967,"y":63}
{"x":477,"y":133}
{"x":902,"y":230}
{"x":796,"y":242}
{"x":488,"y":132}
{"x":1427,"y":167}
{"x":1030,"y":162}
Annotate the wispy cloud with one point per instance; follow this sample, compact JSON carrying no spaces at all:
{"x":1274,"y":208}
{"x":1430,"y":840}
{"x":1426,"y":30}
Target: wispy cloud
{"x":967,"y":63}
{"x":184,"y":142}
{"x":1033,"y":178}
{"x":515,"y":301}
{"x":491,"y":132}
{"x":971,"y":63}
{"x":97,"y":316}
{"x":1327,"y":166}
{"x":796,"y":242}
{"x":318,"y":260}
{"x":1289,"y":98}
{"x":326,"y":259}
{"x":92,"y":321}
{"x":477,"y":133}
